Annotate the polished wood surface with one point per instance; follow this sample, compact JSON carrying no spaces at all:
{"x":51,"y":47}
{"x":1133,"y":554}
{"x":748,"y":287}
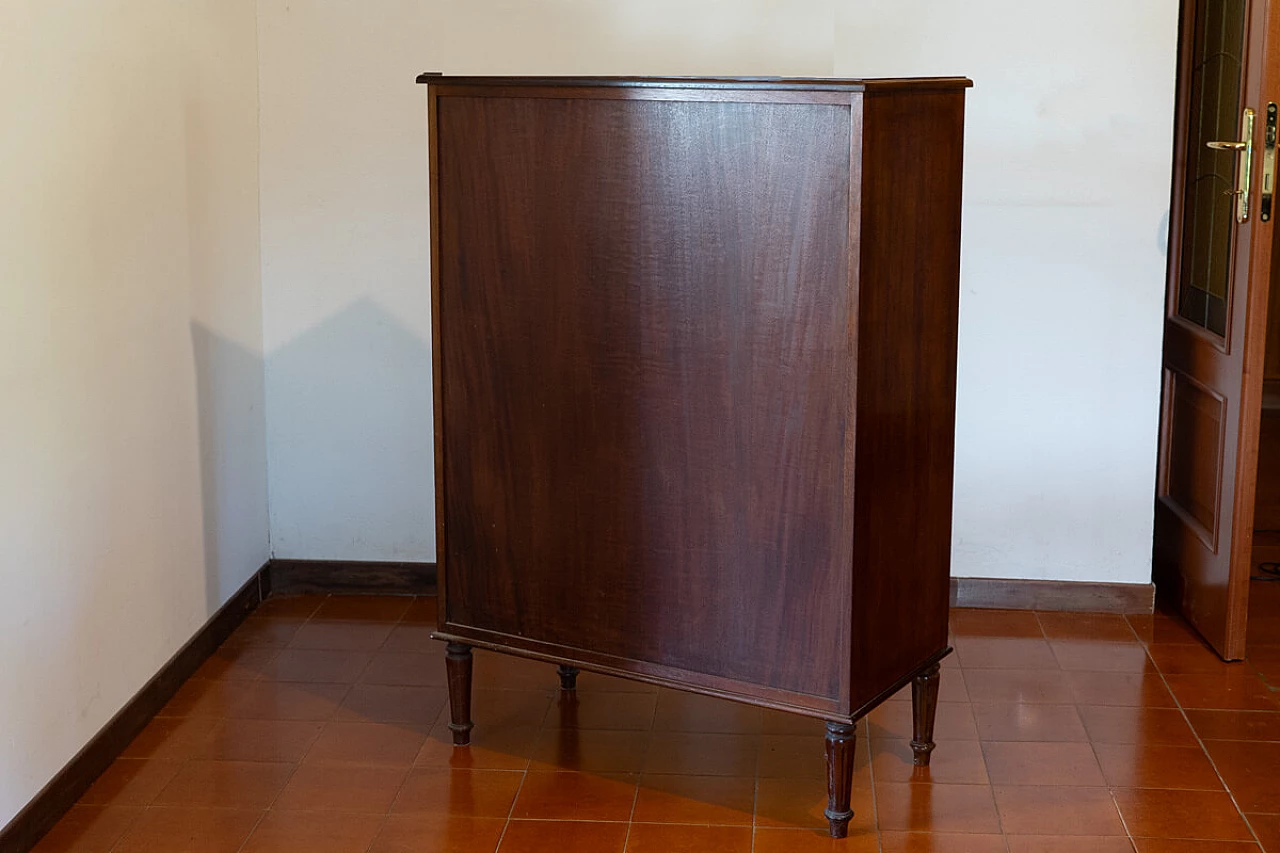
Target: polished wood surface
{"x":695,"y":380}
{"x":1212,"y":398}
{"x":924,"y":710}
{"x":841,"y":740}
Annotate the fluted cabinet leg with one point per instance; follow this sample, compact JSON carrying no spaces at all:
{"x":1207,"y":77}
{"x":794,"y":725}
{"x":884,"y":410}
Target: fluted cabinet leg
{"x":568,"y":677}
{"x":924,"y":707}
{"x":457,"y":662}
{"x":840,"y":748}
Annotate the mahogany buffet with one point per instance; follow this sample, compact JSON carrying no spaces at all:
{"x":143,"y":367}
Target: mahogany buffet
{"x":694,"y":371}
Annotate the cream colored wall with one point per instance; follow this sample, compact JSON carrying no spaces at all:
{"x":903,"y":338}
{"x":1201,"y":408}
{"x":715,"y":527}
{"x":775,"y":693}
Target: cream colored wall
{"x":132,"y":444}
{"x":1067,"y":184}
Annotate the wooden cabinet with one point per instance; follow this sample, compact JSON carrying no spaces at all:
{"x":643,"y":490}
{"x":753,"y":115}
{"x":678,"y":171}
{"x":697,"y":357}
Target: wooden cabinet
{"x":694,"y":353}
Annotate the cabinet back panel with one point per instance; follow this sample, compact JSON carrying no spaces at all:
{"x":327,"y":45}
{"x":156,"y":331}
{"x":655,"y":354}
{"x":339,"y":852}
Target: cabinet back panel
{"x":646,"y":365}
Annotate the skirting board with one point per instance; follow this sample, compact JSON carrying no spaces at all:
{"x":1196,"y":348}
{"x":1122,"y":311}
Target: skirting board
{"x":276,"y":577}
{"x":1070,"y":596}
{"x":38,"y":817}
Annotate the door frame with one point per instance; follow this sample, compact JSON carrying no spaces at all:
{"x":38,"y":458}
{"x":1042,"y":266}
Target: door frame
{"x":1262,"y":64}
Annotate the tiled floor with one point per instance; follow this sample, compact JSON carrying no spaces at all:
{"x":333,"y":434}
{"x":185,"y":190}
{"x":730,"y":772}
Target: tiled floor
{"x":320,"y":727}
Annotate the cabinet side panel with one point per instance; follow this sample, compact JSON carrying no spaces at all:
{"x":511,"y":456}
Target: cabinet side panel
{"x":908,"y":306}
{"x":645,"y":373}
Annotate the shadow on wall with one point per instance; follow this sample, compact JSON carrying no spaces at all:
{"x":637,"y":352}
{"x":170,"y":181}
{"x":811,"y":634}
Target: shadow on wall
{"x":228,"y":395}
{"x":354,"y":469}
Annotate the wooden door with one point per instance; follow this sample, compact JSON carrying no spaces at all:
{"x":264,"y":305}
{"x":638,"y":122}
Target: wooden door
{"x":1214,"y":332}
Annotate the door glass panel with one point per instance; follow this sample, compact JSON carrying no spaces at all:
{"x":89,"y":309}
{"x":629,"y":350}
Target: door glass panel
{"x":1208,"y":205}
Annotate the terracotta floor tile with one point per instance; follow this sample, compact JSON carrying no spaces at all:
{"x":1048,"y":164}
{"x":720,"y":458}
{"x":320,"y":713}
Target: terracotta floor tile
{"x":266,"y":631}
{"x":680,"y":711}
{"x":553,"y":836}
{"x":1004,"y":653}
{"x":607,"y":711}
{"x":1251,"y":771}
{"x":425,"y":833}
{"x":362,"y":608}
{"x":317,"y":665}
{"x":1068,"y":844}
{"x":702,"y":754}
{"x":1206,"y":815}
{"x":261,"y":740}
{"x":422,"y":611}
{"x":893,"y":721}
{"x":1114,"y":724}
{"x":412,"y":637}
{"x":188,"y":830}
{"x":407,"y":669}
{"x":1027,"y":686}
{"x":696,"y":799}
{"x":268,"y":700}
{"x":513,"y":708}
{"x":1235,"y":689}
{"x":492,"y":748}
{"x":1147,"y":766}
{"x":1042,"y":764}
{"x":237,"y":663}
{"x":576,"y":796}
{"x":341,"y":636}
{"x":387,"y":744}
{"x":951,"y":687}
{"x":674,"y":838}
{"x":1181,"y":660}
{"x":226,"y":784}
{"x":1048,"y":810}
{"x":1015,"y":721}
{"x":1107,"y":627}
{"x":936,"y":808}
{"x":131,"y":782}
{"x":290,"y":606}
{"x":578,"y":749}
{"x":1160,"y":629}
{"x":384,"y":703}
{"x":936,"y":842}
{"x":468,"y":793}
{"x":1119,"y":688}
{"x":313,"y":832}
{"x":994,"y":623}
{"x":1236,"y":725}
{"x":1101,"y":656}
{"x":773,"y":840}
{"x":495,"y":671}
{"x":955,"y":763}
{"x":795,"y":756}
{"x":799,"y":804}
{"x":204,"y":697}
{"x":89,"y":829}
{"x":172,"y":738}
{"x":1166,"y":845}
{"x":342,"y":787}
{"x":1267,"y":828}
{"x":773,"y":722}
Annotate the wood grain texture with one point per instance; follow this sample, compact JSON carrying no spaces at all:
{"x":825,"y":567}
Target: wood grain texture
{"x":1068,"y":596}
{"x":350,"y":577}
{"x":695,"y":378}
{"x":647,"y":358}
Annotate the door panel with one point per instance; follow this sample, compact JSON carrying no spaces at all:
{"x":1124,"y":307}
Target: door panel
{"x":1215,"y":321}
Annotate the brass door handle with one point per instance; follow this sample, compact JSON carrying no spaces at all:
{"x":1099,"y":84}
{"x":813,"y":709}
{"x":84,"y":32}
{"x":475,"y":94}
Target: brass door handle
{"x":1244,"y":148}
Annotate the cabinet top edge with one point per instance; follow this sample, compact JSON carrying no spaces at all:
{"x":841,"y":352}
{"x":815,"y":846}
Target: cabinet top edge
{"x":776,"y":83}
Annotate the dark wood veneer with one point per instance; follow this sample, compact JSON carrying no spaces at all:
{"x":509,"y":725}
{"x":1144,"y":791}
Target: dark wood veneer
{"x":694,"y":348}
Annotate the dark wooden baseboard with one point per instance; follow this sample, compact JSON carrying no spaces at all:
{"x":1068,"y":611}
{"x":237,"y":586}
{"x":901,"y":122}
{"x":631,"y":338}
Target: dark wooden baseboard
{"x":38,"y":817}
{"x":1071,"y":596}
{"x":296,"y":577}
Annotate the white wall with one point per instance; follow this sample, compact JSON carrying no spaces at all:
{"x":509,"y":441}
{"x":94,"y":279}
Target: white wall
{"x":132,"y":444}
{"x":1067,"y":184}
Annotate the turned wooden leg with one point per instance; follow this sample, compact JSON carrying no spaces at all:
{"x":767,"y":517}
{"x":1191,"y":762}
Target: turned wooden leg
{"x":457,"y":662}
{"x":840,"y":744}
{"x":924,"y":707}
{"x":568,"y":677}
